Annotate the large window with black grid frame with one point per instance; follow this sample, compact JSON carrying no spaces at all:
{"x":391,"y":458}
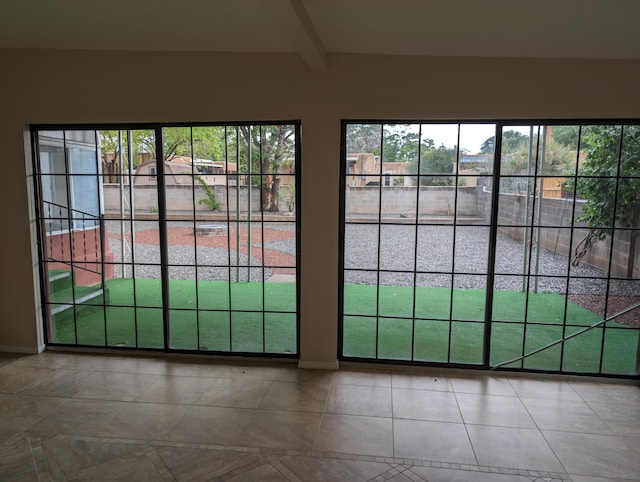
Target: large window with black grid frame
{"x":510,"y":245}
{"x":170,"y":237}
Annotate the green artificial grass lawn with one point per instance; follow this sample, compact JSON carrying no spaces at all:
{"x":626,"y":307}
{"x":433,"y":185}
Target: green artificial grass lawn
{"x":213,"y":323}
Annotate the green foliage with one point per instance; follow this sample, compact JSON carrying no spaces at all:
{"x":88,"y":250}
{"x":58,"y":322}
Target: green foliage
{"x":566,"y":136}
{"x":512,"y":141}
{"x":399,"y":141}
{"x":559,"y":160}
{"x":610,"y":150}
{"x":400,"y":144}
{"x":210,"y":199}
{"x":364,"y":138}
{"x":207,"y":142}
{"x":435,"y":161}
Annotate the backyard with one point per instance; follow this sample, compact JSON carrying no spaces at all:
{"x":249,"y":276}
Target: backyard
{"x":446,"y":323}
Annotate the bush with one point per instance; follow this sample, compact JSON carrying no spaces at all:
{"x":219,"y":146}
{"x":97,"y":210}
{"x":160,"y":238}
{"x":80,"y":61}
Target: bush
{"x":210,"y":199}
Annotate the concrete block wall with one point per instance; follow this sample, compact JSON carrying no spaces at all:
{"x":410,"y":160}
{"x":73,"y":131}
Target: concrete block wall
{"x":556,"y":235}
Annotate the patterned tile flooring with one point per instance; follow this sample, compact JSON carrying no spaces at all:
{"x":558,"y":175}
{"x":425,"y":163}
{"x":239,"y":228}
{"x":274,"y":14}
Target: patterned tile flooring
{"x":76,"y":416}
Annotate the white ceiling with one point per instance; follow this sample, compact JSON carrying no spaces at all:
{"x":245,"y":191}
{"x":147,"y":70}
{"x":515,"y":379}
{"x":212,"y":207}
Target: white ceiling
{"x":605,"y":29}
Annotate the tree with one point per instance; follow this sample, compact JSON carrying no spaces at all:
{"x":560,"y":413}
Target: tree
{"x":400,"y":144}
{"x":435,"y":161}
{"x":364,"y":138}
{"x":611,"y":151}
{"x":558,"y":160}
{"x":566,"y":136}
{"x":272,"y":148}
{"x":511,"y":142}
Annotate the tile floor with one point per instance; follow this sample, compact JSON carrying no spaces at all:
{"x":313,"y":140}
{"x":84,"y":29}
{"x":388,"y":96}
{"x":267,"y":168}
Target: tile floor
{"x":70,"y":416}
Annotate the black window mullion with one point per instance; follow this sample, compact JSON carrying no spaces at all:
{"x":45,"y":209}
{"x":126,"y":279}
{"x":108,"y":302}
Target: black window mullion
{"x":453,"y":248}
{"x":571,"y":238}
{"x":163,"y":235}
{"x":228,"y":178}
{"x":262,"y":174}
{"x":133,"y":233}
{"x":68,"y":188}
{"x":379,"y":239}
{"x":493,"y":240}
{"x":196,"y":281}
{"x":415,"y":251}
{"x":531,"y":224}
{"x":613,"y":234}
{"x":102,"y":240}
{"x":41,"y":234}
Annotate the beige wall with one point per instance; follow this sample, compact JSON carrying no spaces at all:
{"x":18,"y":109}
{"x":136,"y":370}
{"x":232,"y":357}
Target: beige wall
{"x":85,"y":87}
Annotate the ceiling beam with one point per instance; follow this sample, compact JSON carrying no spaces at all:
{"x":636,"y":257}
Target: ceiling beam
{"x":292,"y":19}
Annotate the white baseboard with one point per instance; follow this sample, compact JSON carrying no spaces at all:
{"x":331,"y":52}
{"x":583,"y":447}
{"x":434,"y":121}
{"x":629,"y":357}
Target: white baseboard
{"x":334,"y":365}
{"x":31,"y":350}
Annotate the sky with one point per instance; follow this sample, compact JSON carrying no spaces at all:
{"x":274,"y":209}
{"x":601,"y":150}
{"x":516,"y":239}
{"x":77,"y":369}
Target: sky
{"x":471,"y":135}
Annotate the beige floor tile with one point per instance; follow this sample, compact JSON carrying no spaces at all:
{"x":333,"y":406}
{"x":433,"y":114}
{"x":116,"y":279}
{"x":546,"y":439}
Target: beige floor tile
{"x":425,"y":405}
{"x":263,"y":473}
{"x":399,"y":478}
{"x":601,"y":392}
{"x":451,"y":475}
{"x":196,"y":464}
{"x":586,"y":478}
{"x":360,"y":400}
{"x":509,"y":447}
{"x":147,"y":365}
{"x":115,"y":386}
{"x":16,"y":462}
{"x":13,"y":379}
{"x":135,"y":467}
{"x":71,"y":361}
{"x":211,"y":425}
{"x":62,"y":383}
{"x":597,"y":455}
{"x":435,"y":441}
{"x":482,"y":384}
{"x":565,"y":416}
{"x":317,"y":469}
{"x":145,"y":421}
{"x":176,"y":389}
{"x":547,"y":389}
{"x":352,"y":434}
{"x":295,"y":396}
{"x":433,"y":382}
{"x":77,"y":417}
{"x":282,"y":429}
{"x":9,"y":358}
{"x":202,"y":368}
{"x":318,"y":378}
{"x":496,"y":410}
{"x":621,"y":418}
{"x":7,"y":434}
{"x":348,"y":376}
{"x":19,"y":412}
{"x":238,"y":393}
{"x":69,"y":455}
{"x":146,"y":418}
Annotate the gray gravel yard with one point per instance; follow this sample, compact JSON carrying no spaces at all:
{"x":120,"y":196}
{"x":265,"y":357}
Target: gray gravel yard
{"x":402,"y":251}
{"x":433,"y":253}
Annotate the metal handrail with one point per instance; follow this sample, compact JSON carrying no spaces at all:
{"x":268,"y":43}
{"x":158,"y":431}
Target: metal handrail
{"x":83,"y":216}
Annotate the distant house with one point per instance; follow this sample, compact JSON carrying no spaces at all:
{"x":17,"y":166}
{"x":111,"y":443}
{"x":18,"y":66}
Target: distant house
{"x":181,"y":169}
{"x":366,"y":169}
{"x":480,"y":162}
